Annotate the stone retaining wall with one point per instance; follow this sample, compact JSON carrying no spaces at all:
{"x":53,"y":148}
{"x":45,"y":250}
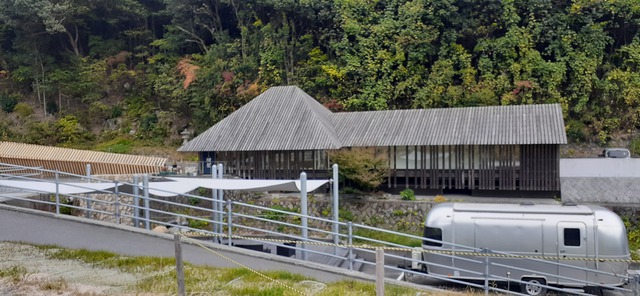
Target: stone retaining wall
{"x":397,"y":215}
{"x":610,"y":190}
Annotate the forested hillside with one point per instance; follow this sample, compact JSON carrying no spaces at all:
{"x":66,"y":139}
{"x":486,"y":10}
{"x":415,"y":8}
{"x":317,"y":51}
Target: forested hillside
{"x":112,"y":74}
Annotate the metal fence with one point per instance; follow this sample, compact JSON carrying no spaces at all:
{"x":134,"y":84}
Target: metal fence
{"x":344,"y":244}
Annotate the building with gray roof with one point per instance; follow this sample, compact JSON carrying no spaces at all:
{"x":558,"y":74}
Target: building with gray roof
{"x":284,"y":131}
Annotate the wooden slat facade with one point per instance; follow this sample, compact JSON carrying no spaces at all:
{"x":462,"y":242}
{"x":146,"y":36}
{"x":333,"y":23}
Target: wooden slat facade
{"x":444,"y":167}
{"x":74,"y":161}
{"x":275,"y":165}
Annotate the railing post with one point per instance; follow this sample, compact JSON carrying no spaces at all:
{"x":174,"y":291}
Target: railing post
{"x":636,"y":279}
{"x":303,"y":206}
{"x":179,"y":264}
{"x":379,"y":272}
{"x":220,"y":196}
{"x":136,"y":202}
{"x":350,"y":242}
{"x":88,"y":174}
{"x":486,"y":271}
{"x":214,"y":206}
{"x":117,"y":202}
{"x":229,"y":222}
{"x":57,"y":193}
{"x":145,"y":188}
{"x":336,"y":214}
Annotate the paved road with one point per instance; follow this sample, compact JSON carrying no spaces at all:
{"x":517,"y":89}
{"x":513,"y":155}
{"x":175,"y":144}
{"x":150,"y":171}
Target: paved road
{"x":23,"y":225}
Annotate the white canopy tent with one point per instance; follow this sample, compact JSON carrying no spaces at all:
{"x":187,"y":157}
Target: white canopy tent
{"x":174,"y":187}
{"x":61,"y":188}
{"x":184,"y":185}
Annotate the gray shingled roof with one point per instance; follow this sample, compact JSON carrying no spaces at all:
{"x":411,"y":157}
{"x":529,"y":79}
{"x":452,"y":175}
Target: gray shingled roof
{"x":491,"y":125}
{"x":281,"y":118}
{"x":286,"y":118}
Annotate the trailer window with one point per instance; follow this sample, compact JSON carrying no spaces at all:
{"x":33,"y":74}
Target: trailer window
{"x":572,"y":237}
{"x":432,"y":233}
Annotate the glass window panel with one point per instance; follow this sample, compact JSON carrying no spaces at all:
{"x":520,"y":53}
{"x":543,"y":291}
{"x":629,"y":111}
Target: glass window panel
{"x":434,"y":234}
{"x":572,"y":237}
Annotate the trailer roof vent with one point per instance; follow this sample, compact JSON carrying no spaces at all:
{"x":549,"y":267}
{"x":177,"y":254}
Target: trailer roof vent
{"x":527,"y":203}
{"x":569,"y":204}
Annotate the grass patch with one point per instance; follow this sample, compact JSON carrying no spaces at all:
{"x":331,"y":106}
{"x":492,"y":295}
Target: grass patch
{"x":354,"y":288}
{"x":388,"y":237}
{"x":15,"y":272}
{"x":112,"y":260}
{"x":157,"y":276}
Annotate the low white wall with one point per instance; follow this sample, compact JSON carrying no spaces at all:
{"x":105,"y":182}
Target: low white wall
{"x":600,"y":167}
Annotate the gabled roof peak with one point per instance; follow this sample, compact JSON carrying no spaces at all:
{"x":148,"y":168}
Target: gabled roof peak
{"x":281,"y":118}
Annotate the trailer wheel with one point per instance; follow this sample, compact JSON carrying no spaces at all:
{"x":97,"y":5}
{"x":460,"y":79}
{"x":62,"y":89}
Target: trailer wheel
{"x":531,"y":288}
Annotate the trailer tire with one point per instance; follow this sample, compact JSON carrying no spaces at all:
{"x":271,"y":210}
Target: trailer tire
{"x":530,"y":288}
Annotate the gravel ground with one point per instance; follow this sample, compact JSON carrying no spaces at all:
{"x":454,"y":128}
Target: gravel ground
{"x":46,"y":277}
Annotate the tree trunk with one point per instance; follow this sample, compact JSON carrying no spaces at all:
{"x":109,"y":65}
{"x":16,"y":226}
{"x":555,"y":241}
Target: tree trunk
{"x":44,"y":95}
{"x":73,"y":40}
{"x":59,"y":101}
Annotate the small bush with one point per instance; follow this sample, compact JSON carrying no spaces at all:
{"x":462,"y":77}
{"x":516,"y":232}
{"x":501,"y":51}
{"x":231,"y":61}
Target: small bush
{"x":345,"y":215}
{"x":633,"y":235}
{"x":198,"y":224}
{"x":278,"y":216}
{"x":407,"y":194}
{"x":399,"y":213}
{"x":439,"y":198}
{"x":23,"y":109}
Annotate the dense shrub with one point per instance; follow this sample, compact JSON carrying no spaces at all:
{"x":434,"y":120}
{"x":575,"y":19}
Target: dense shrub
{"x":23,"y":109}
{"x":576,"y":131}
{"x":365,"y":168}
{"x":8,"y":102}
{"x":407,"y":194}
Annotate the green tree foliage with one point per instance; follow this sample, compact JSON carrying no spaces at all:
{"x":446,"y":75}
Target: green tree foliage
{"x":114,"y":65}
{"x":8,"y":102}
{"x":364,"y":168}
{"x":382,"y":52}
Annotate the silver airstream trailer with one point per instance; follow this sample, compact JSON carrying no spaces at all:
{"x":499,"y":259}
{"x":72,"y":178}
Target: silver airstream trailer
{"x":564,"y":245}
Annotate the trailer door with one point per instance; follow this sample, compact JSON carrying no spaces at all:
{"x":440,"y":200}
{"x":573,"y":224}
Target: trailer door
{"x":572,"y":250}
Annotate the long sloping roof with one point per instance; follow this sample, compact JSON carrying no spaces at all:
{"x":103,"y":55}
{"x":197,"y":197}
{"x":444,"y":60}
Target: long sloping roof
{"x":281,"y":118}
{"x":286,"y":118}
{"x":74,"y":161}
{"x":494,"y":125}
